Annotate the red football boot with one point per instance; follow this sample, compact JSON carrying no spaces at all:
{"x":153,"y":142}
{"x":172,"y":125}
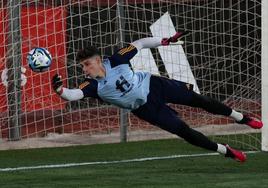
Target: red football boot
{"x":235,"y":154}
{"x":252,"y":122}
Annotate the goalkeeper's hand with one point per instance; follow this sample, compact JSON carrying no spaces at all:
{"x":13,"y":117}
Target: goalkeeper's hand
{"x":57,"y":84}
{"x":174,"y":38}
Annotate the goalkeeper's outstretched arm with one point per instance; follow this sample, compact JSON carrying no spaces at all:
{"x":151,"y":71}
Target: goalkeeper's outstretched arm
{"x":130,"y":51}
{"x":149,"y":42}
{"x":65,"y":93}
{"x":72,"y":94}
{"x":153,"y":42}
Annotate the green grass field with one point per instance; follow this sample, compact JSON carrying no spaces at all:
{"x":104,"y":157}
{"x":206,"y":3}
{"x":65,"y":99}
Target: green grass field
{"x":205,"y":171}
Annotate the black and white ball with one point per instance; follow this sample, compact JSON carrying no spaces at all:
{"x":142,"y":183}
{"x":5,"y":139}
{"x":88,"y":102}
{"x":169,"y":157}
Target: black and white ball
{"x":39,"y":59}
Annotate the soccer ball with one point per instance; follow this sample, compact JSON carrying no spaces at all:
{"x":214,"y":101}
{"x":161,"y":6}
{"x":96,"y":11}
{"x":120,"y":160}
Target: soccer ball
{"x":39,"y":59}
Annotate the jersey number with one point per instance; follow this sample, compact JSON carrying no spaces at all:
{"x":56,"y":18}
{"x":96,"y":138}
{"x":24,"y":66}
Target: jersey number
{"x":122,"y":84}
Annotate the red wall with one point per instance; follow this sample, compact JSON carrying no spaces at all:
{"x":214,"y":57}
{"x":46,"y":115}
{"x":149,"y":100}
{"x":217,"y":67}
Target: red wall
{"x":3,"y":30}
{"x":42,"y":28}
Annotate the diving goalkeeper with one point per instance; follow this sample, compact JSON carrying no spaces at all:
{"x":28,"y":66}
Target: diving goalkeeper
{"x":113,"y":80}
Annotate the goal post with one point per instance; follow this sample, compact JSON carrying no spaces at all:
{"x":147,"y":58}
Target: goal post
{"x":14,"y":71}
{"x":264,"y":68}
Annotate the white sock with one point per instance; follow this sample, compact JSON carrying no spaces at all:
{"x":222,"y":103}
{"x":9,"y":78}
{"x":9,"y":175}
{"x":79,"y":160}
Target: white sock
{"x":222,"y":149}
{"x":237,"y":116}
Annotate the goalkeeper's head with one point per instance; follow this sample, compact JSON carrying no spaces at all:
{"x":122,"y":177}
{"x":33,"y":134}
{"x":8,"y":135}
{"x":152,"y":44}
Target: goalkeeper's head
{"x":90,"y":59}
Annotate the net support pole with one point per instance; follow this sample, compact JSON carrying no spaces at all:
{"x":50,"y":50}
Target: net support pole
{"x":264,"y":72}
{"x":121,"y":40}
{"x":14,"y":70}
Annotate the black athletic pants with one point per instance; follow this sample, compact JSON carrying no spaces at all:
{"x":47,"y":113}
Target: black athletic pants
{"x":156,"y":112}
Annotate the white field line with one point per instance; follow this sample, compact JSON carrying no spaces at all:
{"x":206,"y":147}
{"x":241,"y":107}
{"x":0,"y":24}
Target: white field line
{"x":109,"y":162}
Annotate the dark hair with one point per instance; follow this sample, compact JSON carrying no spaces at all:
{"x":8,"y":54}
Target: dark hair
{"x":87,"y":52}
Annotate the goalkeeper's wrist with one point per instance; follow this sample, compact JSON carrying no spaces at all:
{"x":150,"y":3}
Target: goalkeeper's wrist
{"x":59,"y":90}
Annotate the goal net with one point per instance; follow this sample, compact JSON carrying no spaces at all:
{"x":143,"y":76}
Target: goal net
{"x":221,"y":57}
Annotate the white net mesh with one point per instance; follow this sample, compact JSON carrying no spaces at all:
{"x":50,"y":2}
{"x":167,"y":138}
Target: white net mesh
{"x":220,"y":56}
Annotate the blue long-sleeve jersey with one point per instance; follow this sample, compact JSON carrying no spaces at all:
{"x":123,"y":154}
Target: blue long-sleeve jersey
{"x":121,"y":86}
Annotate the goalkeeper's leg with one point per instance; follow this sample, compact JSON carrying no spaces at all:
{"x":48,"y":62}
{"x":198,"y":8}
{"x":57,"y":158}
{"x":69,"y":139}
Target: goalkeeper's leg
{"x":178,"y":92}
{"x":166,"y":118}
{"x":216,"y":107}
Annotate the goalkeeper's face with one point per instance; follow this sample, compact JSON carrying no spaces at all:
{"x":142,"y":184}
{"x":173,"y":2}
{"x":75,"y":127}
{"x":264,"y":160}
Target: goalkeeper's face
{"x":93,"y":67}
